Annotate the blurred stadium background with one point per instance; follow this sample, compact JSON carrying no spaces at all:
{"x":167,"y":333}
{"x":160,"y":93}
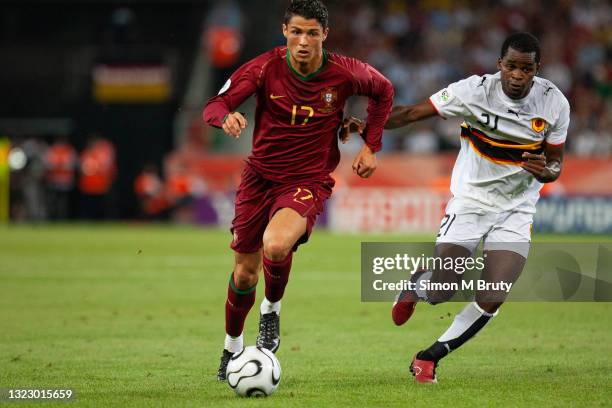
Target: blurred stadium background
{"x":100,"y":116}
{"x":100,"y":119}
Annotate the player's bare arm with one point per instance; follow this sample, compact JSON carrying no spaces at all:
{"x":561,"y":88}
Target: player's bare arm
{"x":545,"y":167}
{"x":234,"y":123}
{"x":351,"y":125}
{"x":403,"y":115}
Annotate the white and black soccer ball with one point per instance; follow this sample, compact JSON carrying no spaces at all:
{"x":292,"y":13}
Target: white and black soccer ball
{"x":254,"y":372}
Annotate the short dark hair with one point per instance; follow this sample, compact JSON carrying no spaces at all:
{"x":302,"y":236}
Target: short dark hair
{"x":308,"y":9}
{"x":523,"y":42}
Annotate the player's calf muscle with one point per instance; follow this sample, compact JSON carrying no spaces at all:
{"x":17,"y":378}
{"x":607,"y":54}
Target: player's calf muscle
{"x":444,"y":285}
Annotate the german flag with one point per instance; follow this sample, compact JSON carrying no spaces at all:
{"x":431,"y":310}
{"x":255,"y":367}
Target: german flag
{"x":499,"y":152}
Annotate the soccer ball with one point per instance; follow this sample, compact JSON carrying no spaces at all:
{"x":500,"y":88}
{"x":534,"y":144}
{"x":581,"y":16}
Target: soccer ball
{"x":253,"y":372}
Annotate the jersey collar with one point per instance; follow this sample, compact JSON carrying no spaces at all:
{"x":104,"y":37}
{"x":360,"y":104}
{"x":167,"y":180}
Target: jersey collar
{"x":309,"y":76}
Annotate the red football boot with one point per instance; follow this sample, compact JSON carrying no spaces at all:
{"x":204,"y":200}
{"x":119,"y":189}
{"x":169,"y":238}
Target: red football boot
{"x":406,"y":301}
{"x":424,"y":371}
{"x":403,"y":307}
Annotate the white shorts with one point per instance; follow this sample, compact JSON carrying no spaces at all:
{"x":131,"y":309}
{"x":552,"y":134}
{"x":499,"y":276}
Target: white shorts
{"x":509,"y":231}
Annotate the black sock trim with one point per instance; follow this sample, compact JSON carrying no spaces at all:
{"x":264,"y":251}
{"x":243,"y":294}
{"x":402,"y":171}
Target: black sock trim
{"x":438,"y":350}
{"x":469,"y":333}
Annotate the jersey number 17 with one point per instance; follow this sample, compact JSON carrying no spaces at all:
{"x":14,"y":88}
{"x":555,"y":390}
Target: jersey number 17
{"x":302,"y":108}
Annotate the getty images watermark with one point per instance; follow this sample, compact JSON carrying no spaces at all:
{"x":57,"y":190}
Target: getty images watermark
{"x":579,"y":272}
{"x":456,"y":265}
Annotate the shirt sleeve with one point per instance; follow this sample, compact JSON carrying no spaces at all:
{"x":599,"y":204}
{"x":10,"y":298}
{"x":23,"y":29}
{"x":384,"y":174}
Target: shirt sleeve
{"x":371,"y":83}
{"x":450,"y":101}
{"x":243,"y":83}
{"x":558,"y":131}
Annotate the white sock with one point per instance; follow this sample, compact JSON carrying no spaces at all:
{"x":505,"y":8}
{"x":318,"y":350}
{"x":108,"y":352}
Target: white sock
{"x":269,"y":307}
{"x":234,"y":344}
{"x":422,"y":293}
{"x":464,"y":320}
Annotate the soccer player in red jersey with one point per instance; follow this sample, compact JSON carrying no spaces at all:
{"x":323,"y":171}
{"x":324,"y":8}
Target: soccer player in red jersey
{"x":301,"y":90}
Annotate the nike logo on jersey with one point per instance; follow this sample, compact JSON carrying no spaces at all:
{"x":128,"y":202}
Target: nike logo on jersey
{"x":273,"y":97}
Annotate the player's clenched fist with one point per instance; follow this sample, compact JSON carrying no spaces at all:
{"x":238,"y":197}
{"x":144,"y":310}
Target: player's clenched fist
{"x":365,"y":162}
{"x":542,"y":170}
{"x":234,"y":123}
{"x":534,"y":163}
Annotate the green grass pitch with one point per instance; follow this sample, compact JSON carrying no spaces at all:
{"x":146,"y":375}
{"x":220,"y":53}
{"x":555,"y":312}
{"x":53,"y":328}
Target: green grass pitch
{"x":130,"y":315}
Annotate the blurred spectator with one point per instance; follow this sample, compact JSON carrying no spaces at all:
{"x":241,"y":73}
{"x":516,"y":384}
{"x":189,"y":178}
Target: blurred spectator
{"x":149,"y":189}
{"x":423,"y":46}
{"x":61,"y":162}
{"x":223,"y":39}
{"x":422,"y":141}
{"x":97,"y":173}
{"x":183,"y":187}
{"x":33,"y":181}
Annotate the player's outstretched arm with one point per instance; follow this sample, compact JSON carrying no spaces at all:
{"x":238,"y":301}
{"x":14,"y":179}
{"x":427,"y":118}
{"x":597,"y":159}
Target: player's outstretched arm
{"x":402,"y":115}
{"x":545,"y":167}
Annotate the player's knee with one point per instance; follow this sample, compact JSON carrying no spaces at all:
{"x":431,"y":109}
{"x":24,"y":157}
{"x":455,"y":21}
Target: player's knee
{"x":276,"y":250}
{"x":245,"y":276}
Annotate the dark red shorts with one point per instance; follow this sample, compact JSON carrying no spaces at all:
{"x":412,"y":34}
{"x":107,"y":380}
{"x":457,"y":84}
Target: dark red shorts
{"x":258,"y":199}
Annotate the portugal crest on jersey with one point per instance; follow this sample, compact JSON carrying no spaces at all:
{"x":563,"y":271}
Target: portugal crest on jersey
{"x":329,"y":97}
{"x":538,"y":124}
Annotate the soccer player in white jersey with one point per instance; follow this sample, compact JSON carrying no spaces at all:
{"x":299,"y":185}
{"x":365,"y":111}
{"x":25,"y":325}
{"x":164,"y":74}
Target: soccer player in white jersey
{"x":512,"y":141}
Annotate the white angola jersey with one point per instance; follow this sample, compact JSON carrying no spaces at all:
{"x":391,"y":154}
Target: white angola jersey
{"x":496,"y":131}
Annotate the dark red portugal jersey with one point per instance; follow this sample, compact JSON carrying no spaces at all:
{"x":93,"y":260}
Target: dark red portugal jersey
{"x":297,"y":118}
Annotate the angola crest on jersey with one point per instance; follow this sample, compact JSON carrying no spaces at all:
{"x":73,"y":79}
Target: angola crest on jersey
{"x":496,"y":131}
